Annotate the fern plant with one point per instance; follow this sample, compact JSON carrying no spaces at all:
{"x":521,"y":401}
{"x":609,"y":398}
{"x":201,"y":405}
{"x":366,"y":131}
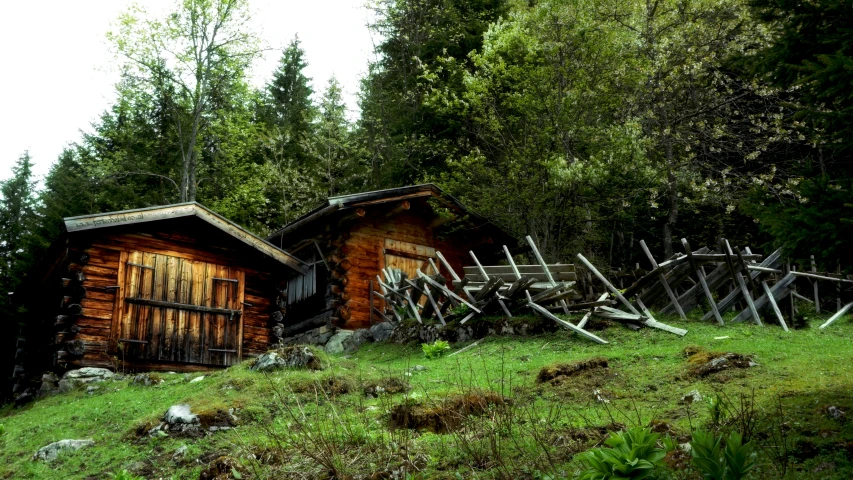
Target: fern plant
{"x":633,"y":454}
{"x":435,"y":349}
{"x":715,"y":462}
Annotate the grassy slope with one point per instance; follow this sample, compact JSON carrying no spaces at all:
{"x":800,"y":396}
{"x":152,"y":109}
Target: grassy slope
{"x":285,"y":420}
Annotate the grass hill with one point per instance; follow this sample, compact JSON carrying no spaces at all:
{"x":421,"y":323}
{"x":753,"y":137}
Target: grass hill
{"x":506,"y":408}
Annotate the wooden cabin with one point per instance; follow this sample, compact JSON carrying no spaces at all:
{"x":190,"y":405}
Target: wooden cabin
{"x":351,"y":239}
{"x":175,"y":287}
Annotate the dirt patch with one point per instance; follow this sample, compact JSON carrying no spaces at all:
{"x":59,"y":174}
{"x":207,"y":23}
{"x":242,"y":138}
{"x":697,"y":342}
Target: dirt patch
{"x":385,"y":386}
{"x":445,"y":416}
{"x":719,"y":363}
{"x":557,"y":373}
{"x":331,"y":385}
{"x":222,"y":468}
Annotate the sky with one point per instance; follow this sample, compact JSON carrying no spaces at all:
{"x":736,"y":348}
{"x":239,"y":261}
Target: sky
{"x":59,"y":74}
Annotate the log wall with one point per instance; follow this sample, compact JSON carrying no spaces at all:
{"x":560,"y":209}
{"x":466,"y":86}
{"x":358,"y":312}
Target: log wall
{"x":362,"y":257}
{"x":101,"y":273}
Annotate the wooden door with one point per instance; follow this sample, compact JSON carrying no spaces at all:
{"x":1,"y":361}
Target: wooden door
{"x":408,"y":257}
{"x":179,"y":310}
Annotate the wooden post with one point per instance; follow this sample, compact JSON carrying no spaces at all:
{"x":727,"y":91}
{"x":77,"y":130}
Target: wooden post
{"x":772,"y":302}
{"x":841,"y":311}
{"x":609,"y":285}
{"x":486,"y":278}
{"x":814,"y":283}
{"x":838,"y":289}
{"x":454,"y":275}
{"x":545,"y":268}
{"x":702,"y":281}
{"x":672,"y":296}
{"x":741,"y":282}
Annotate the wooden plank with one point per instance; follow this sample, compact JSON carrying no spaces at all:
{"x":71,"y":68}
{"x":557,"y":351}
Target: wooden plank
{"x":608,"y":285}
{"x":773,"y":304}
{"x":740,"y":280}
{"x":655,"y":267}
{"x":588,"y":314}
{"x":544,"y":268}
{"x":702,"y":281}
{"x":545,"y":313}
{"x":837,"y":315}
{"x":778,"y":291}
{"x":814,"y":285}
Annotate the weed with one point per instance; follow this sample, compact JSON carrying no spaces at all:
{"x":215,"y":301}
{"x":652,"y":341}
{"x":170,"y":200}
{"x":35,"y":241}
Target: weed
{"x":633,"y":454}
{"x":435,"y":349}
{"x":715,"y":462}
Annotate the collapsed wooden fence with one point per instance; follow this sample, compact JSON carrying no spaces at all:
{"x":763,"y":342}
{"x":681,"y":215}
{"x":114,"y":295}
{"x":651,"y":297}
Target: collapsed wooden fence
{"x":722,"y":279}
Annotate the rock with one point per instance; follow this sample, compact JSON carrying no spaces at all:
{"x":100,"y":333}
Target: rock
{"x":723,"y":362}
{"x":50,"y":452}
{"x":147,"y":379}
{"x":599,"y":397}
{"x":197,"y":379}
{"x":180,"y":414}
{"x":335,"y":344}
{"x":381,"y":331}
{"x":418,"y":368}
{"x":180,"y":452}
{"x":74,"y":378}
{"x":692,"y":397}
{"x":295,"y":356}
{"x":49,"y":384}
{"x":835,"y":412}
{"x":91,"y":389}
{"x":357,"y":339}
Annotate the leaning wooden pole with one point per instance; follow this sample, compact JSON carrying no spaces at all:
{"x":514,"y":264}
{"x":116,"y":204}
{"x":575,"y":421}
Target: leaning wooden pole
{"x":545,"y":268}
{"x":672,"y":296}
{"x":615,"y":291}
{"x":702,"y":281}
{"x":837,"y":315}
{"x":814,"y":283}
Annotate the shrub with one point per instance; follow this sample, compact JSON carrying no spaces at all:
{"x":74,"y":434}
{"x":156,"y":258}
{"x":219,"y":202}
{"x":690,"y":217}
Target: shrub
{"x":435,"y":349}
{"x":633,"y":454}
{"x":733,"y":462}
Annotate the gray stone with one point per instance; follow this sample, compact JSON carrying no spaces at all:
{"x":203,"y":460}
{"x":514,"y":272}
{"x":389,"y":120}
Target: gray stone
{"x":197,"y":379}
{"x":357,"y":339}
{"x":74,"y":378}
{"x":335,"y":344}
{"x":50,"y":452}
{"x":48,"y":385}
{"x":692,"y":397}
{"x":294,"y":357}
{"x":381,"y":331}
{"x":180,"y":452}
{"x":91,"y":389}
{"x":180,"y":414}
{"x":418,"y":368}
{"x":146,"y":379}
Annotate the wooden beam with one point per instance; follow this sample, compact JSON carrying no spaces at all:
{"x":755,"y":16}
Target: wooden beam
{"x":182,"y":306}
{"x":615,"y":291}
{"x":545,"y":313}
{"x":672,"y":297}
{"x":545,"y":268}
{"x":702,"y":281}
{"x":816,"y":296}
{"x":399,"y":208}
{"x":837,"y":315}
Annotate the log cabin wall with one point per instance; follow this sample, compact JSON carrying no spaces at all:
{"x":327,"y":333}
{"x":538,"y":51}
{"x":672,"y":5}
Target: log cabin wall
{"x":100,"y":326}
{"x":377,"y":241}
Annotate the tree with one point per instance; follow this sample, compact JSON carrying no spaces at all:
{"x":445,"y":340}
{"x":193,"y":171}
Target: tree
{"x":339,"y":165}
{"x":190,"y":58}
{"x":17,"y":204}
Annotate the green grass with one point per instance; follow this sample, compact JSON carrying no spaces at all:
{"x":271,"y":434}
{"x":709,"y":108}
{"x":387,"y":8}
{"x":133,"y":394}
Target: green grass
{"x":301,"y":424}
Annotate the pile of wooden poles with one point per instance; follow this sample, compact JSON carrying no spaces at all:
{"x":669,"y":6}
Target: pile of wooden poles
{"x":717,"y":280}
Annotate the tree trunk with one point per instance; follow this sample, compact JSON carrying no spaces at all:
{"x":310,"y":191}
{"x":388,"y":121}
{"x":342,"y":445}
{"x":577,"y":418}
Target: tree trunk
{"x":672,"y":193}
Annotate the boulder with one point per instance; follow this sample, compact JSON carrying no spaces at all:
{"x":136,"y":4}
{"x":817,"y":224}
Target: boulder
{"x":49,"y":385}
{"x":692,"y":397}
{"x":147,"y":379}
{"x":50,"y":452}
{"x":295,"y":356}
{"x":180,"y":414}
{"x":381,"y":331}
{"x":74,"y":378}
{"x":357,"y":339}
{"x":335,"y":345}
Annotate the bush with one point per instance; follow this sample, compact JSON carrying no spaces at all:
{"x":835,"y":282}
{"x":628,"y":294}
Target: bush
{"x":733,"y":462}
{"x":633,"y":454}
{"x":435,"y":349}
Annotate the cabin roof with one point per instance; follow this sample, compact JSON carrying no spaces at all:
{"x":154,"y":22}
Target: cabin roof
{"x":181,"y":210}
{"x":376,"y":197}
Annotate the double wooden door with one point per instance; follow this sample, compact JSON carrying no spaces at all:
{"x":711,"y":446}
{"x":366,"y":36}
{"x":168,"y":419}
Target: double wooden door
{"x":175,"y":309}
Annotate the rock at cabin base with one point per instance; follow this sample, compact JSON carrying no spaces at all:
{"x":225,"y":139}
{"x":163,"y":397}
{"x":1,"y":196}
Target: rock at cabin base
{"x":335,"y":345}
{"x":50,"y":452}
{"x":74,"y":378}
{"x":358,"y":337}
{"x":381,"y":331}
{"x":297,"y":356}
{"x":48,"y":384}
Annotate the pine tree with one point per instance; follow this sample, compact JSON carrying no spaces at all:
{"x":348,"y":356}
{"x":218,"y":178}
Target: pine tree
{"x":289,"y":107}
{"x":17,"y":214}
{"x":339,"y":166}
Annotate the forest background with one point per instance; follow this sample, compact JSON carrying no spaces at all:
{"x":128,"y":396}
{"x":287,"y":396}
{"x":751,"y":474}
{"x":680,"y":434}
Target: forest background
{"x":587,"y":124}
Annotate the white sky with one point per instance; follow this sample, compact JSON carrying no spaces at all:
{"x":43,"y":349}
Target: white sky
{"x":58,"y":73}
